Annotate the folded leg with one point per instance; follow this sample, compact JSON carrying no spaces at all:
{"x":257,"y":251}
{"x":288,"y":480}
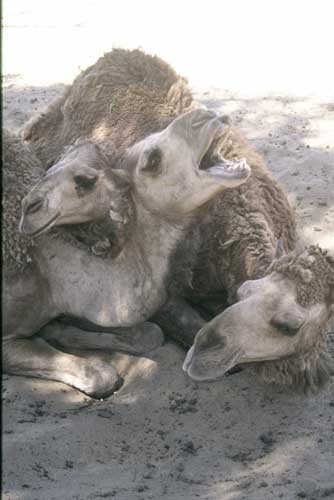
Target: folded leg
{"x":136,"y":340}
{"x":33,"y":357}
{"x":179,"y":320}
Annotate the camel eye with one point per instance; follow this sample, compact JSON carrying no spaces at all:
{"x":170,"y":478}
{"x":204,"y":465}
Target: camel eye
{"x":153,"y":162}
{"x":285,"y":328}
{"x":86,"y":182}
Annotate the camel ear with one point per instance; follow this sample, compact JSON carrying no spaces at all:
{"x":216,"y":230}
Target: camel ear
{"x":279,"y":250}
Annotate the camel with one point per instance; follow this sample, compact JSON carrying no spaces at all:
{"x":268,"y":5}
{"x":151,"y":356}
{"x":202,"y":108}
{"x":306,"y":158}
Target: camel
{"x":166,"y":186}
{"x":279,"y":322}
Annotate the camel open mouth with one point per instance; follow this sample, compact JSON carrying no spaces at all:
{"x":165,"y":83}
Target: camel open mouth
{"x":237,"y":169}
{"x":46,"y":226}
{"x":221,"y":128}
{"x":213,"y":163}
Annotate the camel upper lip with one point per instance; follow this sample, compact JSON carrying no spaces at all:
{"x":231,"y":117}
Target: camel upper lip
{"x":46,"y":226}
{"x":188,"y":359}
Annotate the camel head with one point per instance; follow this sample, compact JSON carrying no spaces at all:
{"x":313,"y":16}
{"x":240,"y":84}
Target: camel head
{"x":167,"y":171}
{"x":281,"y":319}
{"x":78,"y":188}
{"x":163,"y":171}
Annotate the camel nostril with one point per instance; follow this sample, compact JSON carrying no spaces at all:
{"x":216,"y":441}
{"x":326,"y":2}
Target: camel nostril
{"x":210,"y":340}
{"x":34,"y":207}
{"x":225,"y":120}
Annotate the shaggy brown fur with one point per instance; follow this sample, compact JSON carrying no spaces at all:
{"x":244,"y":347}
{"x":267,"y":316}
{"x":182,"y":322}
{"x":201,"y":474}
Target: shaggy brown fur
{"x":20,"y":170}
{"x":313,"y":273}
{"x":124,"y":96}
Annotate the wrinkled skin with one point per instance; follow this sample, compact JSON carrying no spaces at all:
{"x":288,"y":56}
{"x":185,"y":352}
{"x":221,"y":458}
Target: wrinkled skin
{"x":267,"y":323}
{"x":166,"y":186}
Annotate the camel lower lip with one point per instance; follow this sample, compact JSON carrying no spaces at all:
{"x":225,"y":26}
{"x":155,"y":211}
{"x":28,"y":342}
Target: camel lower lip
{"x":199,"y":378}
{"x":46,"y":226}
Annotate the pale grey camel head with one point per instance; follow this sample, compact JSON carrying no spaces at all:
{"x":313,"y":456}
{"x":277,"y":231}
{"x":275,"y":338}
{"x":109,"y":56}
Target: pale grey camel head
{"x":167,"y":172}
{"x":282,"y":316}
{"x":163,"y":171}
{"x":76,"y":189}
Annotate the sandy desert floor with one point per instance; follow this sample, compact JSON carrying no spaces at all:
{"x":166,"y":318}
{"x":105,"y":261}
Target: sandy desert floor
{"x":163,"y":435}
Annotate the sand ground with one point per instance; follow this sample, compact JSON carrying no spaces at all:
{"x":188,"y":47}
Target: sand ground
{"x":163,"y":435}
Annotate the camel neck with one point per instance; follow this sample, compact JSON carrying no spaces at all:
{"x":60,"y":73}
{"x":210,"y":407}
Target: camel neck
{"x":157,"y":237}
